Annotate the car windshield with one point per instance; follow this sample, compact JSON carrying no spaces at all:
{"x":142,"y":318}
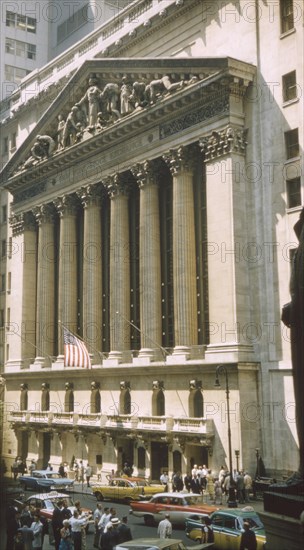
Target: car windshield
{"x":193,"y":500}
{"x":254,"y":522}
{"x":53,"y":475}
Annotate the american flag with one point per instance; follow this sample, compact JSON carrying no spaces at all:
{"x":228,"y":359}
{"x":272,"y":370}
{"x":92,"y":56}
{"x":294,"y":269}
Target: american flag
{"x":75,"y":351}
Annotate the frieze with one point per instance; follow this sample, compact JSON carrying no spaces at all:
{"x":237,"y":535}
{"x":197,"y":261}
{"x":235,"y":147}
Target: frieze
{"x":30,"y":192}
{"x":217,"y":107}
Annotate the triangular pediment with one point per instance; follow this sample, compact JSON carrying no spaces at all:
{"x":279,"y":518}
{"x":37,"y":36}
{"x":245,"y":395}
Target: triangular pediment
{"x":107,"y":93}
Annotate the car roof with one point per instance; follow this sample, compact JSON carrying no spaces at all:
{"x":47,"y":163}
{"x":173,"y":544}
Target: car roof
{"x":180,"y":495}
{"x":149,"y":542}
{"x":48,"y":496}
{"x":43,"y":472}
{"x":240,"y":512}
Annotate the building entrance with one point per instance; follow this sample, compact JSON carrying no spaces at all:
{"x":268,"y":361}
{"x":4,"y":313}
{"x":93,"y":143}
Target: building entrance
{"x":159,"y":459}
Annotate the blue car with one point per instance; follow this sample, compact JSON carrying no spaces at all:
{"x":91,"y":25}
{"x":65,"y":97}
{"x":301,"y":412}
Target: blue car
{"x":45,"y":480}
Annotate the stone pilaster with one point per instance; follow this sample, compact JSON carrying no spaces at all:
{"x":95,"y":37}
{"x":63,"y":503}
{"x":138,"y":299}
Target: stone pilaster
{"x":228,"y":279}
{"x":91,"y":198}
{"x":67,"y":279}
{"x":184,"y":260}
{"x":119,"y":267}
{"x":21,"y":336}
{"x":45,"y":334}
{"x":149,"y":254}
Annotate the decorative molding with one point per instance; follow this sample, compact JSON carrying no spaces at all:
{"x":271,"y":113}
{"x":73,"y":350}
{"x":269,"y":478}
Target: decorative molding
{"x":179,"y":159}
{"x":146,"y":173}
{"x":44,"y":213}
{"x":30,"y":192}
{"x":91,"y":195}
{"x":66,"y":205}
{"x":231,"y":139}
{"x":22,"y":222}
{"x":208,"y":110}
{"x":117,"y":184}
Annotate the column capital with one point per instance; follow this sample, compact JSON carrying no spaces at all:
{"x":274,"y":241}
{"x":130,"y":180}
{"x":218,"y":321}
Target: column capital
{"x":67,"y":204}
{"x":91,"y":195}
{"x":22,"y":222}
{"x":117,"y":185}
{"x":146,"y":173}
{"x":44,"y":213}
{"x":231,"y":139}
{"x":179,"y":159}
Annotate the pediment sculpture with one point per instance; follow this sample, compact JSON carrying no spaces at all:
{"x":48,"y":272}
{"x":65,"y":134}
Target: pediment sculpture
{"x":100,"y":107}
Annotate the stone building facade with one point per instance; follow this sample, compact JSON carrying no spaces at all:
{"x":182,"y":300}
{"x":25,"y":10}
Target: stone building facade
{"x":152,"y":209}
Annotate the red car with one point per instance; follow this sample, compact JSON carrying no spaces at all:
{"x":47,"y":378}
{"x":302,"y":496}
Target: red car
{"x":180,"y":506}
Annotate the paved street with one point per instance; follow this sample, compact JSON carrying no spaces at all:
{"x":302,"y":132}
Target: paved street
{"x":136,"y":524}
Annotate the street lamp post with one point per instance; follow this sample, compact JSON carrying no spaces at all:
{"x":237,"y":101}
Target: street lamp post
{"x":221,"y":369}
{"x":237,"y":457}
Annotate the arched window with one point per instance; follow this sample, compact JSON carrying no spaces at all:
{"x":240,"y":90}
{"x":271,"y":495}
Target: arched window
{"x":23,"y":397}
{"x":158,"y":403}
{"x":196,"y":403}
{"x":95,"y":401}
{"x":45,"y":397}
{"x":125,"y":401}
{"x":69,"y":400}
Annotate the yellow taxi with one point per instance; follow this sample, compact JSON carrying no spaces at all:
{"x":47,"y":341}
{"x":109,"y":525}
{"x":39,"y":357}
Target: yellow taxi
{"x":125,"y":488}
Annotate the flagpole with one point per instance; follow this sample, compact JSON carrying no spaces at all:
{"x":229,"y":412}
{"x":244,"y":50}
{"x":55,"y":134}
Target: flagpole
{"x":102,"y":355}
{"x":163,"y":350}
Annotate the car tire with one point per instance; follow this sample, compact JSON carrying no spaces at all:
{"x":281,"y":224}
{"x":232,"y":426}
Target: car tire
{"x":149,"y":521}
{"x":99,"y":496}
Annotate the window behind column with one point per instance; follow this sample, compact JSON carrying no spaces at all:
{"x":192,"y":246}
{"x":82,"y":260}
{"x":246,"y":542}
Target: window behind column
{"x":166,"y":243}
{"x":134,"y":267}
{"x":287,"y":15}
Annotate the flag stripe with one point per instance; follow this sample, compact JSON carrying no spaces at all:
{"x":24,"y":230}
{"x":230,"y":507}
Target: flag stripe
{"x":75,"y":351}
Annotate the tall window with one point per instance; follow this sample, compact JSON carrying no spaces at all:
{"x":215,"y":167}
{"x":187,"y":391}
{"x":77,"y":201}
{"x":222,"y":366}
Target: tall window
{"x":293,"y":187}
{"x":287,"y":17}
{"x":73,"y":23}
{"x":292,"y":143}
{"x":21,"y":49}
{"x":289,"y":86}
{"x":15,"y":74}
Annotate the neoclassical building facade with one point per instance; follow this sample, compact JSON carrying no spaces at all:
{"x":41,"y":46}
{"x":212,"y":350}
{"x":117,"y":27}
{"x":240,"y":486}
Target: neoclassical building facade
{"x":138,"y":222}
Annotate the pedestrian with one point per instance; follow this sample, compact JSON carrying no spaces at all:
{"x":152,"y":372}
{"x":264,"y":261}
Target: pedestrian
{"x":178,"y":483}
{"x":66,"y":536}
{"x":164,"y":478}
{"x":77,"y":524}
{"x":218,"y":493}
{"x":195,"y":485}
{"x":32,"y":467}
{"x":248,"y":538}
{"x":210,"y":485}
{"x":187,"y":482}
{"x":18,"y":541}
{"x":207,"y":531}
{"x":124,"y":531}
{"x":49,"y":467}
{"x":61,"y":470}
{"x":108,"y":539}
{"x":81,"y":471}
{"x":164,"y":529}
{"x":97,"y":516}
{"x":88,"y":473}
{"x":240,"y":488}
{"x":27,"y":537}
{"x":57,"y":522}
{"x":37,"y":528}
{"x":15,"y":469}
{"x":76,"y":470}
{"x":13,"y":524}
{"x":247,"y":486}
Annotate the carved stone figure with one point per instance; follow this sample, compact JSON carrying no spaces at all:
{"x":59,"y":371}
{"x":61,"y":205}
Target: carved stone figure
{"x":43,"y":147}
{"x":110,"y":97}
{"x":70,"y":128}
{"x":91,"y":101}
{"x":157,"y":87}
{"x":293,"y":317}
{"x":138,"y":97}
{"x":126,"y":106}
{"x":60,"y":133}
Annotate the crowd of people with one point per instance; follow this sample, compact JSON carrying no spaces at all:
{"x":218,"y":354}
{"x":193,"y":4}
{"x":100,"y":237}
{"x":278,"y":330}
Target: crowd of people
{"x":27,"y":528}
{"x":202,"y":481}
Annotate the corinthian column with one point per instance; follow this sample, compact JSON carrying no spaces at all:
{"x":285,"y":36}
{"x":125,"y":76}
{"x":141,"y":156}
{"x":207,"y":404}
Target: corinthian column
{"x":67,"y":279}
{"x":149,"y":254}
{"x":184,"y":266}
{"x":91,"y":198}
{"x":45,"y":334}
{"x":119,"y":267}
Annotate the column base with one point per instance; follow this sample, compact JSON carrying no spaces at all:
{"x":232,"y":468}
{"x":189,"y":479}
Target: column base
{"x":179,"y":355}
{"x":233,"y":352}
{"x":114,"y":358}
{"x":145,"y":356}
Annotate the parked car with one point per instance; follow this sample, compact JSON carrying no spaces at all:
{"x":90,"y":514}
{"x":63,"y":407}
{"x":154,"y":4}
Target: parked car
{"x":44,"y":480}
{"x":159,"y":544}
{"x":228,"y":527}
{"x":179,"y":505}
{"x":125,"y":488}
